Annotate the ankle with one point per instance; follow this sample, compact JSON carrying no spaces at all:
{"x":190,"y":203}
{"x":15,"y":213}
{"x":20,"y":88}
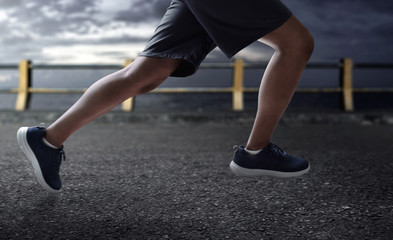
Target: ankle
{"x":52,"y":140}
{"x":49,"y":144}
{"x":256,"y":147}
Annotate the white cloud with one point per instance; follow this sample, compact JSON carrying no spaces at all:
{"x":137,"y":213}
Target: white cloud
{"x":85,"y":53}
{"x":5,"y":78}
{"x":111,"y":30}
{"x":50,"y":13}
{"x":3,"y":16}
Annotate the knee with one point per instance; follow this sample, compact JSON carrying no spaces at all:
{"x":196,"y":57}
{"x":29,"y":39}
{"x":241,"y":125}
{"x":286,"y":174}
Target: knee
{"x":307,"y":44}
{"x":140,"y":83}
{"x":145,"y":74}
{"x":300,"y":46}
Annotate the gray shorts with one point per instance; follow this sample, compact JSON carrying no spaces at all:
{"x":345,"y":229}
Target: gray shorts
{"x":190,"y":29}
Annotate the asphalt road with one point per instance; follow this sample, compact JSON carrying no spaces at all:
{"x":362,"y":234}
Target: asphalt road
{"x":170,"y":180}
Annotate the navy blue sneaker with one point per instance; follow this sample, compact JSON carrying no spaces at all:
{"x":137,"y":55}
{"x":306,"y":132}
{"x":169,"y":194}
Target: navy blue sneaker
{"x":46,"y":160}
{"x":271,"y":161}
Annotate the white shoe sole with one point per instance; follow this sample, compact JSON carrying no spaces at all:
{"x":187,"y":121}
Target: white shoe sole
{"x":22,"y":141}
{"x":245,"y":172}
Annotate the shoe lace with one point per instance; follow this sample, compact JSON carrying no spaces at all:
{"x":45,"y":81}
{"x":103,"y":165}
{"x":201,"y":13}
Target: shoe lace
{"x":278,"y":151}
{"x":62,"y":154}
{"x":62,"y":157}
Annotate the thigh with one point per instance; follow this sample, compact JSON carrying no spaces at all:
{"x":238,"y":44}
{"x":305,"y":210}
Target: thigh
{"x":180,"y":36}
{"x":234,"y":24}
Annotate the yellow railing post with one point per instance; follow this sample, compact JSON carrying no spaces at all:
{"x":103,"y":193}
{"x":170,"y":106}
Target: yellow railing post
{"x":346,"y":83}
{"x":237,"y":90}
{"x":22,"y":100}
{"x":128,"y":104}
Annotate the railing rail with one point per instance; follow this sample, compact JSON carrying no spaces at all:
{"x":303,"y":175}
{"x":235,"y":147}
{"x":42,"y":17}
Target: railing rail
{"x":237,"y":89}
{"x":374,"y":65}
{"x":8,"y":66}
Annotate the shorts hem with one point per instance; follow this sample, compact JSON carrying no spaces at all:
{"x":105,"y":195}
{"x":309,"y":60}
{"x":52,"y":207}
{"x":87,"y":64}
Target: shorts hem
{"x":186,"y":68}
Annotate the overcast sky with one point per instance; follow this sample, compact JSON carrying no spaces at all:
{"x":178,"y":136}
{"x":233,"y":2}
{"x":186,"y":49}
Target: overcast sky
{"x":109,"y":31}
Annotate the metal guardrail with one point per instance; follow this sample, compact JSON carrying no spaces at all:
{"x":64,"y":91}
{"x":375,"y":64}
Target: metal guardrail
{"x":345,"y":87}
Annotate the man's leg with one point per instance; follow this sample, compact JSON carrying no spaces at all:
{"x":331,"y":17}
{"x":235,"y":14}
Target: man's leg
{"x":293,"y":45}
{"x":43,"y":147}
{"x":141,"y":76}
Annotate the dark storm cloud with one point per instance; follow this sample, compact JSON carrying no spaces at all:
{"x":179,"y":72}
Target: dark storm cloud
{"x":51,"y":17}
{"x":144,"y":10}
{"x":358,"y":28}
{"x":34,"y":20}
{"x":31,"y":26}
{"x":9,"y":4}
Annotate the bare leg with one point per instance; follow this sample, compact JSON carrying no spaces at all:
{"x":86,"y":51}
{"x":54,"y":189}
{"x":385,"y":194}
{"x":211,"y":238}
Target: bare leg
{"x":293,"y":45}
{"x":143,"y":75}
